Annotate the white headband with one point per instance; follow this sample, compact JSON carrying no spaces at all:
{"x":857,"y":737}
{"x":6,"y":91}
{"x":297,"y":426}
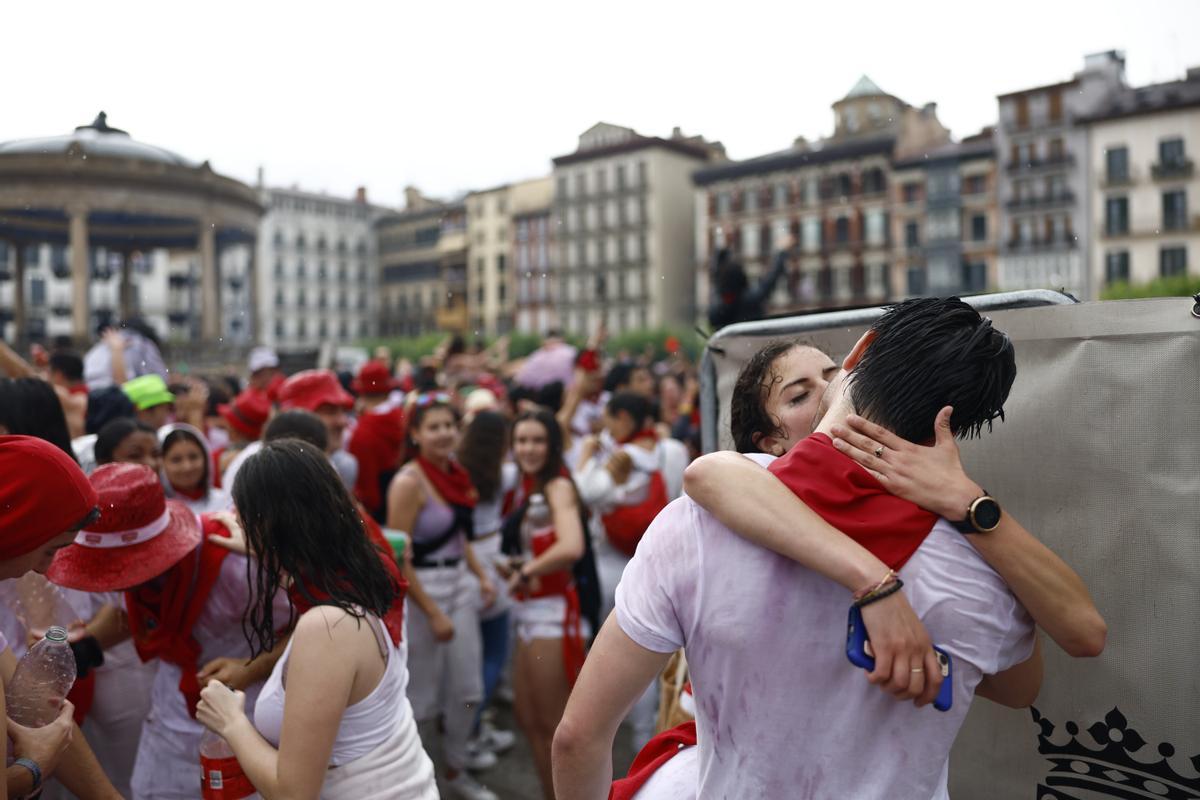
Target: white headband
{"x":109,"y":539}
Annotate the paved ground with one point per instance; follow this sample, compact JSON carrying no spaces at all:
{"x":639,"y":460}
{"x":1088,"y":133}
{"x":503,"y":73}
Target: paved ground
{"x":514,"y":778}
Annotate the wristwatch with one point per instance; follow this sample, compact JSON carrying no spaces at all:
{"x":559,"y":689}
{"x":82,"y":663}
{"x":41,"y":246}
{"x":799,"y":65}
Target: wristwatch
{"x":983,"y":515}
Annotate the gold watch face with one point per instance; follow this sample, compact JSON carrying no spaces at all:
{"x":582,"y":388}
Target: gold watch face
{"x":985,"y":514}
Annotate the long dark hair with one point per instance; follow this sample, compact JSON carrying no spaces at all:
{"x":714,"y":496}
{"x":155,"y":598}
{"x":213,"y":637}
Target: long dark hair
{"x":482,"y":450}
{"x":749,"y":420}
{"x":111,"y":435}
{"x":30,"y":407}
{"x":301,"y":522}
{"x":554,"y":445}
{"x":183,"y":434}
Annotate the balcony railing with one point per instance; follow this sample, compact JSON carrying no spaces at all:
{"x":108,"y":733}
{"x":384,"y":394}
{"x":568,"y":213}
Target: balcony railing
{"x":1113,"y":180}
{"x":1042,"y":201}
{"x":1059,"y":161}
{"x":1021,"y":246}
{"x":1174,"y":170}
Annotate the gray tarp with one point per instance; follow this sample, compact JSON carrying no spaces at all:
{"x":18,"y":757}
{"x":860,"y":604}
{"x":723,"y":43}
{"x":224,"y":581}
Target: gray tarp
{"x":1100,"y":458}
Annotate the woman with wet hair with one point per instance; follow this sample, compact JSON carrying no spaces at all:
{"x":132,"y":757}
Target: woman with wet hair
{"x":332,"y":719}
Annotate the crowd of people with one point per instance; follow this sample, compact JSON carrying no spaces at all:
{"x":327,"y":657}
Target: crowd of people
{"x":322,"y":584}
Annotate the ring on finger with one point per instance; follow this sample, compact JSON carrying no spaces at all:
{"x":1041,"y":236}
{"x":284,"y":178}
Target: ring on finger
{"x":879,"y":451}
{"x":918,"y":669}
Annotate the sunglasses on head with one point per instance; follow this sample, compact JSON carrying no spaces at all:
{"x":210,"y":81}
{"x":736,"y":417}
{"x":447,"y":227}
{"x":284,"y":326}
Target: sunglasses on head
{"x":431,"y":398}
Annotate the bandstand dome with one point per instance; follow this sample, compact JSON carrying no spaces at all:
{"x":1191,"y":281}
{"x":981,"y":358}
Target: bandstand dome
{"x":100,"y":187}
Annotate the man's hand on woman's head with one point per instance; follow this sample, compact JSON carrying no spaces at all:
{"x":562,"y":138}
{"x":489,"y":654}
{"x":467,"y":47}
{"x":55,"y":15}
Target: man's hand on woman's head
{"x":931,"y":477}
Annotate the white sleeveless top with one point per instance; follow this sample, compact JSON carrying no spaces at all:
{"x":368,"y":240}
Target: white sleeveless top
{"x":366,"y":724}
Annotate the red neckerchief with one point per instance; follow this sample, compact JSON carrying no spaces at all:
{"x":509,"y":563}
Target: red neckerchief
{"x":77,"y":388}
{"x":393,"y":620}
{"x":216,"y":466}
{"x":190,"y":494}
{"x":645,"y":434}
{"x":850,"y":499}
{"x":162,"y":616}
{"x":658,"y":751}
{"x":454,"y":485}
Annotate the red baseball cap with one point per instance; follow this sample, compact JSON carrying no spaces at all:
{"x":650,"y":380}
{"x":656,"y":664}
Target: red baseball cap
{"x":139,"y":536}
{"x":43,"y":494}
{"x":313,"y":388}
{"x":248,"y":413}
{"x":374,"y":378}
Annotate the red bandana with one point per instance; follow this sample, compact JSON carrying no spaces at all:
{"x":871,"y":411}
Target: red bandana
{"x":645,"y":434}
{"x":850,"y":499}
{"x":190,"y":494}
{"x":453,"y":485}
{"x":393,"y":620}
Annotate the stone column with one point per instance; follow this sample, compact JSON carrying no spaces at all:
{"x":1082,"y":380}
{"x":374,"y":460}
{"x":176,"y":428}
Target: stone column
{"x":80,"y":273}
{"x":210,"y":312}
{"x":20,"y":323}
{"x":125,"y":295}
{"x":252,"y":290}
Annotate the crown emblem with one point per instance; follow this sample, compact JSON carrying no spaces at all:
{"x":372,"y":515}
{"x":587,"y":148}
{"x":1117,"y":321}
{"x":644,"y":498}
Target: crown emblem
{"x":1080,"y":771}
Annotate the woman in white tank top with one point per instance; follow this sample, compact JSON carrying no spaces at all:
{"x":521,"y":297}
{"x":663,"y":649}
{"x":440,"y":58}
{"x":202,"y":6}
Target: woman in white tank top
{"x":334,"y":721}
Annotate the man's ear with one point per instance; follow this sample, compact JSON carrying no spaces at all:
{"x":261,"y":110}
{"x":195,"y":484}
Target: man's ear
{"x":851,"y":360}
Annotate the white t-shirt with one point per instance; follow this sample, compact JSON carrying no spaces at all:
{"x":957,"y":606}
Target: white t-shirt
{"x":780,"y":711}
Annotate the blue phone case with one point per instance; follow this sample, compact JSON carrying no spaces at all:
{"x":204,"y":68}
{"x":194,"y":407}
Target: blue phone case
{"x":856,"y":651}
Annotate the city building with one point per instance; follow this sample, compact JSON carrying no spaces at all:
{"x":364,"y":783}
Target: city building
{"x":492,"y":279}
{"x":318,"y":276}
{"x":624,"y":227}
{"x":1045,"y":177}
{"x":535,"y":257}
{"x":831,"y":195}
{"x":1145,"y":196}
{"x":944,"y":220}
{"x":411,"y":285}
{"x":96,"y":226}
{"x":452,"y":315}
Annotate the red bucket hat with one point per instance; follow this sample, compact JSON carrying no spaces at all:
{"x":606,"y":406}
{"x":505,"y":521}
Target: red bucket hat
{"x":247,"y":414}
{"x":374,"y":378}
{"x":43,"y":494}
{"x":313,"y":388}
{"x":139,"y":536}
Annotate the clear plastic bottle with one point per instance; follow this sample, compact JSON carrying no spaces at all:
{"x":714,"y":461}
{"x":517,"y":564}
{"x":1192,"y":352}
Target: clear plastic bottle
{"x":537,"y":522}
{"x":38,"y":604}
{"x":221,"y":776}
{"x":44,"y":676}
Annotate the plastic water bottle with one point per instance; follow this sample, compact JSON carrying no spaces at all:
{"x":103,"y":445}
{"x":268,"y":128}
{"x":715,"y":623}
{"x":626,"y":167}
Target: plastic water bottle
{"x":221,"y":776}
{"x":42,"y":679}
{"x":537,"y":522}
{"x":38,"y":604}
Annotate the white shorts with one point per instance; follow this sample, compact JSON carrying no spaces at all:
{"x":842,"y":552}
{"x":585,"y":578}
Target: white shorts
{"x":543,"y":617}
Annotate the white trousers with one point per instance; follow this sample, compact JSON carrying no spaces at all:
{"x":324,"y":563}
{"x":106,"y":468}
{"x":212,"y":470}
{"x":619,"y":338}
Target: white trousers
{"x":446,"y":678}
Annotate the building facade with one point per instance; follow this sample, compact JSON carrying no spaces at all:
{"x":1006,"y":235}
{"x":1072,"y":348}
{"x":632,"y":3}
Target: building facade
{"x":534,"y":257}
{"x":944,"y":220}
{"x":318,"y":274}
{"x":452,"y":314}
{"x":411,"y":285}
{"x":489,"y":289}
{"x":624,"y":223}
{"x":1145,"y":199}
{"x":832,"y":196}
{"x":1045,"y":177}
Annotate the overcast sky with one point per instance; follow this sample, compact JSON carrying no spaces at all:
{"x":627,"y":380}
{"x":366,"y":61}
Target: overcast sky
{"x":457,"y":96}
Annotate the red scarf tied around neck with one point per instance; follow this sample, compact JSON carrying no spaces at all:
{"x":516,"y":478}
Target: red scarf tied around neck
{"x":393,"y":620}
{"x":643,"y":435}
{"x":453,"y":484}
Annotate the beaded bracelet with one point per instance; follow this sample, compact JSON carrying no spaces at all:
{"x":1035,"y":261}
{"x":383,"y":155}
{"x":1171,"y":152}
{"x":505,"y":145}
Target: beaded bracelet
{"x":879,"y":594}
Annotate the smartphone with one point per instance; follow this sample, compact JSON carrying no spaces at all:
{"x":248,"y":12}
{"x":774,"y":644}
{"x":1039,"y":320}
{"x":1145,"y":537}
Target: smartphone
{"x":858,"y":650}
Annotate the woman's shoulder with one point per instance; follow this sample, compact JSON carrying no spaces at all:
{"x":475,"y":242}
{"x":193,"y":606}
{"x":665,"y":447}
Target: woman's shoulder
{"x":560,"y":489}
{"x":328,"y":622}
{"x":409,"y":479}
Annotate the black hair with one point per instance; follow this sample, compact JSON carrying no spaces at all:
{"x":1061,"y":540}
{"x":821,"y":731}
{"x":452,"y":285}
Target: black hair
{"x":620,"y":375}
{"x":111,"y":435}
{"x":303,"y":425}
{"x":302,"y":524}
{"x":749,"y":420}
{"x":553,"y":467}
{"x":457,"y":346}
{"x":182,"y":434}
{"x":217,"y":395}
{"x":144,"y":329}
{"x":929,"y":353}
{"x":30,"y":407}
{"x":105,"y":405}
{"x":425,"y":379}
{"x":68,"y":363}
{"x":415,"y":417}
{"x":636,"y":406}
{"x":481,"y":452}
